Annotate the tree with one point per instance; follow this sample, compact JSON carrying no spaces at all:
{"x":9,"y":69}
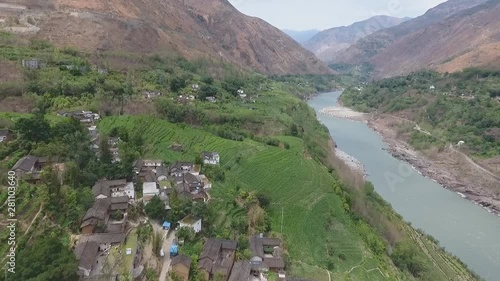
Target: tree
{"x":33,"y":262}
{"x":106,"y":156}
{"x":157,"y":242}
{"x":177,"y":83}
{"x":33,"y":129}
{"x":407,"y":256}
{"x":155,"y":209}
{"x":186,"y":233}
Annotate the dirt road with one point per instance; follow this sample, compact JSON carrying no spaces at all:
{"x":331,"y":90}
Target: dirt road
{"x":167,"y":242}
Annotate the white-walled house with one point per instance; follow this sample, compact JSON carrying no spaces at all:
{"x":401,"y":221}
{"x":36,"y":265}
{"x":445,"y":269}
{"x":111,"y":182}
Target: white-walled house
{"x":152,"y":163}
{"x":210,"y":158}
{"x":191,"y":222}
{"x":149,"y":190}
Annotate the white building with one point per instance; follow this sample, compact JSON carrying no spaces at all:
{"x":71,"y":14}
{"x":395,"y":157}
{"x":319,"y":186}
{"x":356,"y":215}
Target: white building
{"x":191,"y":222}
{"x":210,"y":158}
{"x":153,"y":163}
{"x":127,"y":190}
{"x":149,"y":190}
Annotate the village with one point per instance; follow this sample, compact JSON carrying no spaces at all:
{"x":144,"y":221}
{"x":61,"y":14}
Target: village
{"x":107,"y":247}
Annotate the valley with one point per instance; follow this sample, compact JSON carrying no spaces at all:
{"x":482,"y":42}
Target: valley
{"x":186,"y":141}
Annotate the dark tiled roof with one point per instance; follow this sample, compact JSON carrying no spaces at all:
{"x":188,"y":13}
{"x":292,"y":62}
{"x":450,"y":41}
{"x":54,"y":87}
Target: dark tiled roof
{"x":103,"y":187}
{"x":218,"y":256}
{"x":241,"y":271}
{"x":4,"y":133}
{"x":104,"y":238}
{"x":86,"y":254}
{"x":26,"y":163}
{"x":257,"y":245}
{"x":114,"y":228}
{"x":119,"y":199}
{"x":99,"y":210}
{"x":119,"y":206}
{"x":181,"y":259}
{"x":161,"y":171}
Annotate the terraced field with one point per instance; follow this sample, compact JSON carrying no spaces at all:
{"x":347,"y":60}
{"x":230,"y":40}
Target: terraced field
{"x":300,"y":189}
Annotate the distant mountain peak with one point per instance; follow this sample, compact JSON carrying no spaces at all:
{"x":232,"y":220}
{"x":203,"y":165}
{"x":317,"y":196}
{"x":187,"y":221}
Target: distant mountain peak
{"x":330,"y":41}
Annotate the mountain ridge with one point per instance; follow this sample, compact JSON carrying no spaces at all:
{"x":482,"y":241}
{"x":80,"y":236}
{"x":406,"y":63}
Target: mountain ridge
{"x":213,"y":29}
{"x":419,"y":38}
{"x":328,"y":42}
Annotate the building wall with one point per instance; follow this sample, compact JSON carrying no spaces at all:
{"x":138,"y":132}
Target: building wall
{"x":181,"y":271}
{"x":89,"y":229}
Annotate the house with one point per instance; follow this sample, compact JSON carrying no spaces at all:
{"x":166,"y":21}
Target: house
{"x":191,"y":222}
{"x":211,"y":99}
{"x":192,"y":187}
{"x":96,"y":215}
{"x":432,"y":87}
{"x":180,"y":266}
{"x":115,"y":152}
{"x":33,"y":63}
{"x":5,"y":136}
{"x":241,"y":271}
{"x":127,"y":190}
{"x":195,"y":87}
{"x":30,"y":166}
{"x":180,"y":168}
{"x":120,"y":203}
{"x":86,"y":255}
{"x":152,"y":163}
{"x":149,"y":190}
{"x":217,"y":258}
{"x":104,"y":188}
{"x":150,"y":94}
{"x":161,"y":173}
{"x":93,"y":132}
{"x":210,"y":158}
{"x":176,"y":147}
{"x":104,"y":240}
{"x":114,"y":141}
{"x":266,"y":253}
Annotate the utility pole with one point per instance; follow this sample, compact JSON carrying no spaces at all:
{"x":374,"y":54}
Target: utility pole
{"x":282,"y":215}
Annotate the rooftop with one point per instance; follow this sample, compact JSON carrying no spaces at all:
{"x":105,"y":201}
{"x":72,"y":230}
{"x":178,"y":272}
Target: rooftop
{"x":181,"y":259}
{"x":150,"y":188}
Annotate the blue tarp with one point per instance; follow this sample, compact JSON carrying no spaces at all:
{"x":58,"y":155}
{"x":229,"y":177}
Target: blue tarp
{"x":166,"y":225}
{"x":174,"y":250}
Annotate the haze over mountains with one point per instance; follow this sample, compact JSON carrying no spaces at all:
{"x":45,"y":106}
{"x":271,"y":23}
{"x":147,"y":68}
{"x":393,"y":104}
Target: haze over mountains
{"x":327,"y":43}
{"x":452,"y":36}
{"x":301,"y":36}
{"x":211,"y":29}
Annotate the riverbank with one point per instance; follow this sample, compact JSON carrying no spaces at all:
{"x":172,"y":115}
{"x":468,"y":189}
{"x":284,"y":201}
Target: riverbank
{"x":340,"y":111}
{"x":354,"y":164}
{"x":448,"y":167}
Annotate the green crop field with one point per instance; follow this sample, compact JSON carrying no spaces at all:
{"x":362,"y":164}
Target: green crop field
{"x":301,"y":192}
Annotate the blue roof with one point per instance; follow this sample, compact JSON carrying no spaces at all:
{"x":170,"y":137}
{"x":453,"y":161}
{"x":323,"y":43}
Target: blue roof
{"x":174,"y":249}
{"x":166,"y":224}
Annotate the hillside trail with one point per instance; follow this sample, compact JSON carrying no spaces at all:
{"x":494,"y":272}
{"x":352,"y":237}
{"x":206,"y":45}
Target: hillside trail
{"x":33,"y":220}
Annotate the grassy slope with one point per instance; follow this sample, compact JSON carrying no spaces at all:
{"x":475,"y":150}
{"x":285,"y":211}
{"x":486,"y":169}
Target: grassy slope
{"x":299,"y":187}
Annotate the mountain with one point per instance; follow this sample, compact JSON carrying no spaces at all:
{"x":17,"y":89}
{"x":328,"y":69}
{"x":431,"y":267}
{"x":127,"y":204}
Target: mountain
{"x":450,"y":36}
{"x":302,"y":35}
{"x":211,"y":29}
{"x":328,"y":42}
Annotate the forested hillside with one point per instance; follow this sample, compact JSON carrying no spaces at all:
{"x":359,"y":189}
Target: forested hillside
{"x":463,"y":106}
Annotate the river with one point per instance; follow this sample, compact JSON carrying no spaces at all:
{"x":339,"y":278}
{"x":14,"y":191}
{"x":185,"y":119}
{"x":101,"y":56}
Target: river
{"x":463,"y":228}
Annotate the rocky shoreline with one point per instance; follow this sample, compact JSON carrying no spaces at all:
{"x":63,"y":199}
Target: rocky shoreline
{"x":444,"y":174}
{"x":352,"y":162}
{"x":402,"y":151}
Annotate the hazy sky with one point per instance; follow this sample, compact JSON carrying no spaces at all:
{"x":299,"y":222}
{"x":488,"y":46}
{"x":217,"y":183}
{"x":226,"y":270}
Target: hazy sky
{"x":322,"y":14}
